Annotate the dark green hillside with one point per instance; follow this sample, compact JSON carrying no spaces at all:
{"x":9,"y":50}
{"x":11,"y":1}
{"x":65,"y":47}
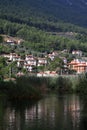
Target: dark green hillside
{"x":37,"y":11}
{"x":38,"y":22}
{"x":48,"y":15}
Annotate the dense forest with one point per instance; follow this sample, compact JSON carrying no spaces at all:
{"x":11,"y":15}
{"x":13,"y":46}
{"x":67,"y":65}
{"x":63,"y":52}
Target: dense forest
{"x":42,"y":40}
{"x":41,"y":10}
{"x":40,"y":26}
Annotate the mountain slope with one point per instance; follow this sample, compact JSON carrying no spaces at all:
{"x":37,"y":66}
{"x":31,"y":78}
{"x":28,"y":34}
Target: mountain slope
{"x":73,"y":11}
{"x":44,"y":24}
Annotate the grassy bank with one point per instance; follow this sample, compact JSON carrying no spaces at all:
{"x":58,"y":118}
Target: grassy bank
{"x":81,"y":86}
{"x":33,"y":87}
{"x":36,"y":87}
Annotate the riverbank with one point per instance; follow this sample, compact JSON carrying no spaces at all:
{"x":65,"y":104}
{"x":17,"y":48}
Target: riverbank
{"x":35,"y":87}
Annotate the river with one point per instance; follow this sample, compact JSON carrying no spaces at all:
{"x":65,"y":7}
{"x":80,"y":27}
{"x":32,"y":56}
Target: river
{"x":54,"y":112}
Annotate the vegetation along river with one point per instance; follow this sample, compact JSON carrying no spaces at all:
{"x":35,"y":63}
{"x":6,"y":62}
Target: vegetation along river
{"x":54,"y":112}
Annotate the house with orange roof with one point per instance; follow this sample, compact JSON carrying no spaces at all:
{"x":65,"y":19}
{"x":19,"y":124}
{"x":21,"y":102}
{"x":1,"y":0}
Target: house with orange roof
{"x":78,"y":65}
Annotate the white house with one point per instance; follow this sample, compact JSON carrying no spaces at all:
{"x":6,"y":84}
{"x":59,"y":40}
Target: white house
{"x":51,"y":56}
{"x":29,"y":57}
{"x":31,"y":62}
{"x":42,"y":61}
{"x":77,"y":52}
{"x":20,"y":63}
{"x":28,"y":67}
{"x":6,"y":56}
{"x":10,"y":42}
{"x":14,"y":57}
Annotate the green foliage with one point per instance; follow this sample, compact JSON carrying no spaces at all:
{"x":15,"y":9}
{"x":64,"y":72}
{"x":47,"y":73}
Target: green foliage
{"x":56,"y":63}
{"x":64,"y":85}
{"x":81,"y":87}
{"x":7,"y":70}
{"x":35,"y":87}
{"x":2,"y":66}
{"x":82,"y":37}
{"x":33,"y":13}
{"x":1,"y":39}
{"x":24,"y":88}
{"x":4,"y":49}
{"x":39,"y":40}
{"x":52,"y":84}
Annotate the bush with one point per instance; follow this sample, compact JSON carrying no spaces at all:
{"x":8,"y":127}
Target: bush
{"x":82,"y":84}
{"x":24,"y":89}
{"x":64,"y":85}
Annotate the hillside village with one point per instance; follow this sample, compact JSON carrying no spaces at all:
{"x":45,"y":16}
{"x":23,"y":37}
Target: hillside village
{"x":34,"y":64}
{"x":43,"y":64}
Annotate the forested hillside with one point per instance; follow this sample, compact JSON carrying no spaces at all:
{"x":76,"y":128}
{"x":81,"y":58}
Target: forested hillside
{"x":36,"y":11}
{"x":48,"y":15}
{"x":39,"y":23}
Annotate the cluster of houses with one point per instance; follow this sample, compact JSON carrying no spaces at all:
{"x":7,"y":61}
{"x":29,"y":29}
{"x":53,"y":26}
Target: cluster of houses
{"x":30,"y":61}
{"x":26,"y":63}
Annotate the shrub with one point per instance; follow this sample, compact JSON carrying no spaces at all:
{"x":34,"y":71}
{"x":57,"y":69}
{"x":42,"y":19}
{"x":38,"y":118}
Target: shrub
{"x":64,"y":85}
{"x":82,"y":84}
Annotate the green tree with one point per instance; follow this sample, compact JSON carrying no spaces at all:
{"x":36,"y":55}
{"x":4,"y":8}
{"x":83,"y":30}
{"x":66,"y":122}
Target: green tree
{"x":56,"y":63}
{"x":1,"y":39}
{"x":3,"y":65}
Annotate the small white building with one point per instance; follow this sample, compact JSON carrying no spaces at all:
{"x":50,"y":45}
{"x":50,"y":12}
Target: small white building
{"x":6,"y":56}
{"x":28,"y":67}
{"x":31,"y":62}
{"x":42,"y":61}
{"x":29,"y":57}
{"x":65,"y":61}
{"x":10,"y":42}
{"x":77,"y":52}
{"x":47,"y":74}
{"x":51,"y":56}
{"x":14,"y":57}
{"x":20,"y":63}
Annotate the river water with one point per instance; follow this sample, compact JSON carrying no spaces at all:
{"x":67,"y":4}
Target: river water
{"x":54,"y":112}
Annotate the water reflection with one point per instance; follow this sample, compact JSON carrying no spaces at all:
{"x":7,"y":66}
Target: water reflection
{"x":51,"y":113}
{"x":73,"y":108}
